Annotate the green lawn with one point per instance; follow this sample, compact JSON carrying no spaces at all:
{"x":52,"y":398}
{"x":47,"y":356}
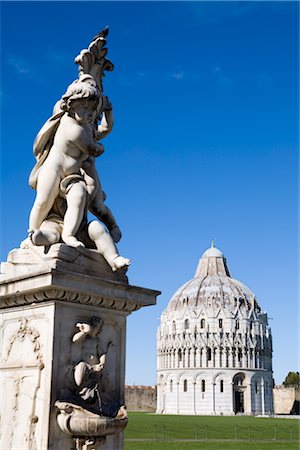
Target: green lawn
{"x":167,"y":432}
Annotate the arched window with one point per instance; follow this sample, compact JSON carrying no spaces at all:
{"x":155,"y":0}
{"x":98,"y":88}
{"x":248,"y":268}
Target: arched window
{"x":227,"y":357}
{"x":184,"y":385}
{"x":256,"y":387}
{"x":221,"y":386}
{"x":237,"y":324}
{"x":202,"y":323}
{"x":202,"y":385}
{"x":209,"y":354}
{"x":186,"y":324}
{"x":240,"y":356}
{"x":220,"y":323}
{"x":179,"y":355}
{"x":171,"y":386}
{"x":173,"y":327}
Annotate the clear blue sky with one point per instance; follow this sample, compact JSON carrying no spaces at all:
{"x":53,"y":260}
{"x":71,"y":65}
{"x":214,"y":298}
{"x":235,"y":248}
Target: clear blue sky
{"x":205,"y":143}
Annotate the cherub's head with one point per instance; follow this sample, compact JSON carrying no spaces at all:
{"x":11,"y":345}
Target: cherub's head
{"x":82,"y":99}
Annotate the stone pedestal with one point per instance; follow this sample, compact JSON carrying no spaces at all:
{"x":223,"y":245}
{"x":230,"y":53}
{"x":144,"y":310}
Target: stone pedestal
{"x":63,"y":340}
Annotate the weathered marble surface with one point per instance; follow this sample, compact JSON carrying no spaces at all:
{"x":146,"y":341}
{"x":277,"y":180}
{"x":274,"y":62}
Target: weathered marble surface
{"x":47,"y":330}
{"x":61,"y":257}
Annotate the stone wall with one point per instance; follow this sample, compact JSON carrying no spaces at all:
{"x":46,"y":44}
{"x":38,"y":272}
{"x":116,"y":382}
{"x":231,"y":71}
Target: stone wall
{"x":140,"y":398}
{"x":143,"y":398}
{"x":286,"y":400}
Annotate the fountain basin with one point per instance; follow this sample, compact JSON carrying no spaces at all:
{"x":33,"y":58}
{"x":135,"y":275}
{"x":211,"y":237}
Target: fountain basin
{"x":77,"y":421}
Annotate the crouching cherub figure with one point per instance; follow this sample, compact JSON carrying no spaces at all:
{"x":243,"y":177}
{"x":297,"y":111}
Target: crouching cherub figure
{"x":65,"y":177}
{"x":59,"y":166}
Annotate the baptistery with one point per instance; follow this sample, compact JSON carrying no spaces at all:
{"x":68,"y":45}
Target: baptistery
{"x":214,"y":346}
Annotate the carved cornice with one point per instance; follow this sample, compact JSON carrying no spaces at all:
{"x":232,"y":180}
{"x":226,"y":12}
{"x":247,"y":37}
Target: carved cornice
{"x":52,"y":285}
{"x":70,"y":297}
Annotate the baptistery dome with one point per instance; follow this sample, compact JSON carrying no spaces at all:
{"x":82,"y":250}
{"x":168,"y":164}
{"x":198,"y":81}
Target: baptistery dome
{"x":214,"y":346}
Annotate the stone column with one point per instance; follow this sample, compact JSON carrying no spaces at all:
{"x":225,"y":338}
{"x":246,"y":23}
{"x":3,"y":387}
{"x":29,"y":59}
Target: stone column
{"x":231,"y":358}
{"x":246,"y":357}
{"x":217,"y":357}
{"x":177,"y":398}
{"x":213,"y":397}
{"x":251,"y":365}
{"x":232,"y":398}
{"x":263,"y":396}
{"x":63,"y":337}
{"x":247,"y":399}
{"x":173,"y":358}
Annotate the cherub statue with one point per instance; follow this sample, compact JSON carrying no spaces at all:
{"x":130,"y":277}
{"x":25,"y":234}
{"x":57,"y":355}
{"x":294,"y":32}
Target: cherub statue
{"x":59,"y":167}
{"x":65,"y":176}
{"x":91,"y":328}
{"x":88,"y":378}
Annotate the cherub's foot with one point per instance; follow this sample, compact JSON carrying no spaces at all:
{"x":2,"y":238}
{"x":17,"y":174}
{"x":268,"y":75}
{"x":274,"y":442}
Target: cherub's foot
{"x":120,"y":263}
{"x":44,"y":237}
{"x":72,"y":241}
{"x":26,"y":243}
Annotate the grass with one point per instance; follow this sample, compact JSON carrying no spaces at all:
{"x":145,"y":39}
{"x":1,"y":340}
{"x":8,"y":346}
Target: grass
{"x":208,"y":446}
{"x":170,"y":432}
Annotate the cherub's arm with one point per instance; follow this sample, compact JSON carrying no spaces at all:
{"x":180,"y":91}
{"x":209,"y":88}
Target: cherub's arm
{"x":82,"y":138}
{"x":107,"y":121}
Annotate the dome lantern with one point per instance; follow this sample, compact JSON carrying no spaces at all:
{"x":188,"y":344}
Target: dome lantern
{"x":212,"y":262}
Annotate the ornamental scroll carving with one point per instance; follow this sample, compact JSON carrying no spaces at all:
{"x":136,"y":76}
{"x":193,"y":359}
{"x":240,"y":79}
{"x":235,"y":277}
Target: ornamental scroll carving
{"x":22,"y":367}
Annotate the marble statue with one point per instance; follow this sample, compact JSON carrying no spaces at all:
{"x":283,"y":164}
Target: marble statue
{"x":65,"y":177}
{"x":64,"y":295}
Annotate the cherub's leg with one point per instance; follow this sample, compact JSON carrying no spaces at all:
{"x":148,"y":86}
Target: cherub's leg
{"x":48,"y":234}
{"x":106,"y":247}
{"x":76,"y":201}
{"x":105,"y":215}
{"x":47,"y":191}
{"x":96,"y":200}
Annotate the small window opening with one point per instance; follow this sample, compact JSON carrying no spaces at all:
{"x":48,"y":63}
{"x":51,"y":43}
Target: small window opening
{"x":221,"y":386}
{"x":186,"y":324}
{"x":171,"y":386}
{"x":203,"y":386}
{"x":184,"y":385}
{"x":202,"y":323}
{"x":209,"y":354}
{"x":220,"y":323}
{"x":173,"y":327}
{"x":179,"y":355}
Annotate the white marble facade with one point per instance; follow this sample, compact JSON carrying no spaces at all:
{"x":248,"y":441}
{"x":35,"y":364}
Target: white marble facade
{"x":214,"y":347}
{"x":62,"y":335}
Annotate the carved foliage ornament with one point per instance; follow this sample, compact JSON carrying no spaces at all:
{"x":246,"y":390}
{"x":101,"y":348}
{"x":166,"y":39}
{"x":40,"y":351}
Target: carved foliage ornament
{"x":23,"y":332}
{"x":93,"y":60}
